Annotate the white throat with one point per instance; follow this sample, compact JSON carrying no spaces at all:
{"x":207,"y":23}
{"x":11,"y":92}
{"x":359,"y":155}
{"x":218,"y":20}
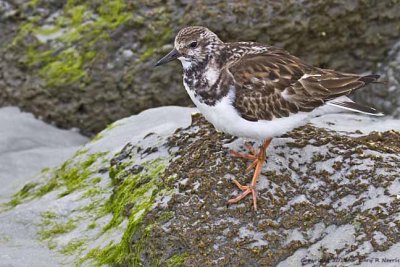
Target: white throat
{"x":186,"y":64}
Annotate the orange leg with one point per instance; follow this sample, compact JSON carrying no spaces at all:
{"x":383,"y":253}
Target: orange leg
{"x":258,"y":161}
{"x":253,"y":155}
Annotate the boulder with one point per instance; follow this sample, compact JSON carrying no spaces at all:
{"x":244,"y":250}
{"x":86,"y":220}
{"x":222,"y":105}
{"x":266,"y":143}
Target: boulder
{"x":152,"y":190}
{"x":385,"y":97}
{"x":86,"y":64}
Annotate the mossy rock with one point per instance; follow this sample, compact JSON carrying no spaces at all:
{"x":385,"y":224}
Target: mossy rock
{"x":157,"y":196}
{"x":95,"y":59}
{"x":317,"y":185}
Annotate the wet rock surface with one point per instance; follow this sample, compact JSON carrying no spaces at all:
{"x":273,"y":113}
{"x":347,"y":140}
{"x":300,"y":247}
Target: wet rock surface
{"x":152,"y":189}
{"x":319,"y":188}
{"x":86,"y":64}
{"x":385,"y":98}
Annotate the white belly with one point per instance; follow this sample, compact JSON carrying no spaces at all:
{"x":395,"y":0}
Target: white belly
{"x":225,"y":118}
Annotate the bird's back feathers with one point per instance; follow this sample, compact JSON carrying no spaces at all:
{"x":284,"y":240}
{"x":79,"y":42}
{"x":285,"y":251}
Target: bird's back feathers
{"x":274,"y":84}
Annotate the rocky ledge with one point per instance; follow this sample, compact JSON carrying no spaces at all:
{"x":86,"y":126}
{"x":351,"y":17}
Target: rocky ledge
{"x":151,"y":190}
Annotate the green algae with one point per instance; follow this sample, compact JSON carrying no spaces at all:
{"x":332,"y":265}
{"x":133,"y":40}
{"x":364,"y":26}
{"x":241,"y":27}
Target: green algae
{"x":97,"y":137}
{"x":81,"y":152}
{"x":46,"y":188}
{"x":73,"y":246}
{"x":113,"y":125}
{"x":92,"y":191}
{"x":51,"y":228}
{"x":70,"y":175}
{"x":92,"y":225}
{"x":133,"y":197}
{"x":95,"y":180}
{"x":66,"y":67}
{"x":177,"y":260}
{"x":78,"y":23}
{"x":21,"y":195}
{"x":135,"y":190}
{"x":73,"y":177}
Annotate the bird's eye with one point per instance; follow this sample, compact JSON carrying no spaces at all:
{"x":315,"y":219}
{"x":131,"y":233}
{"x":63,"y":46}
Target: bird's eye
{"x":193,"y":44}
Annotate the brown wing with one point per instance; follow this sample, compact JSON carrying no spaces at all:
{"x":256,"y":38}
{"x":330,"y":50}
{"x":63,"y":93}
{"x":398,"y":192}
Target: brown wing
{"x":270,"y":85}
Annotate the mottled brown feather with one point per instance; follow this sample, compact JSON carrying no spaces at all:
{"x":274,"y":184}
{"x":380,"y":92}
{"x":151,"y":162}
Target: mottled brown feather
{"x":269,"y":85}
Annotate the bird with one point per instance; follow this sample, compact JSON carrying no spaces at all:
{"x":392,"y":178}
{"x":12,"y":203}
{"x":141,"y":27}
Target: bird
{"x":257,"y":91}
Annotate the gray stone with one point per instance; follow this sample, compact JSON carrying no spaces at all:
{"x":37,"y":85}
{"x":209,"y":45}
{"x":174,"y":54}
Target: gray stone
{"x":152,"y":190}
{"x":87,"y":80}
{"x":385,"y":97}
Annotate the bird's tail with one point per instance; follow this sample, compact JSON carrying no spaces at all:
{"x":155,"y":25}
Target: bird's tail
{"x":346,"y":103}
{"x":372,"y":78}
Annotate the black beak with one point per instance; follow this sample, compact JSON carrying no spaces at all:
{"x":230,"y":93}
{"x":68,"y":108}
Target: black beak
{"x":174,"y":54}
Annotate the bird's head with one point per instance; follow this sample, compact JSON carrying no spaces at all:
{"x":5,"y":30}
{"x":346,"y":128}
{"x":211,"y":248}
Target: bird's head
{"x":193,"y":46}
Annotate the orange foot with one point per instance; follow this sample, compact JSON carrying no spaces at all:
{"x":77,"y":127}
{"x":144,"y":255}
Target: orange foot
{"x":258,"y":159}
{"x":253,"y":156}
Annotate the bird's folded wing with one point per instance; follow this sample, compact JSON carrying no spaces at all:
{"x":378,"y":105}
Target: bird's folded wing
{"x":275,"y":84}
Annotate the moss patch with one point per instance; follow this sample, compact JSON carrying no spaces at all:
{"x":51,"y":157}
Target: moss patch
{"x":21,"y":195}
{"x":176,"y":260}
{"x":71,"y":176}
{"x":133,"y":197}
{"x":78,"y":22}
{"x":51,"y":227}
{"x":72,"y":247}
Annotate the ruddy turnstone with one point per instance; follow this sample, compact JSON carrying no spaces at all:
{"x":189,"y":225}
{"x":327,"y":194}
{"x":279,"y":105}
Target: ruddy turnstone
{"x":258,"y":91}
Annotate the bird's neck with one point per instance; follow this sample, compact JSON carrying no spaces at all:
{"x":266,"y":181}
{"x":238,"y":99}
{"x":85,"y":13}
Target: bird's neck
{"x":204,"y":79}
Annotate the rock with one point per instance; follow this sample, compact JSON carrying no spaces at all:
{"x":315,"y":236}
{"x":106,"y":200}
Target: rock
{"x":27,"y":147}
{"x":385,"y":97}
{"x":92,"y":63}
{"x":329,"y":191}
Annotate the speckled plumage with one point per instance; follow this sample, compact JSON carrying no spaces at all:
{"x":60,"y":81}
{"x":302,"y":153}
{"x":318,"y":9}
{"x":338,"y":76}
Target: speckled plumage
{"x":259,"y":91}
{"x":253,"y":90}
